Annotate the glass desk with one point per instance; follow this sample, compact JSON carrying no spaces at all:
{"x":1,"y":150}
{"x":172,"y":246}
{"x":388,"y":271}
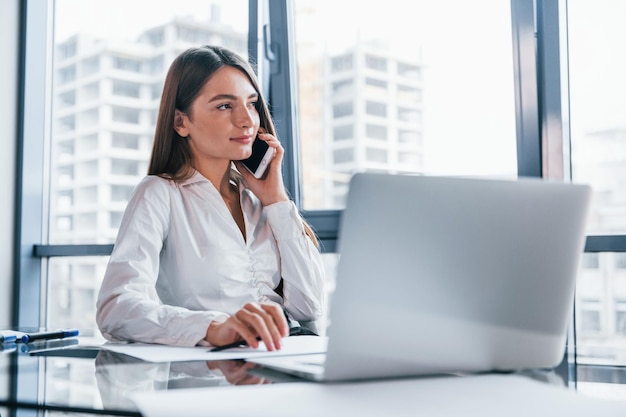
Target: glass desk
{"x":81,"y":380}
{"x":88,"y":380}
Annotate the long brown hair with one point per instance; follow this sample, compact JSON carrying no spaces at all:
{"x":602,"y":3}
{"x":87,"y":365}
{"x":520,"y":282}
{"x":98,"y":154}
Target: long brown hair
{"x":171,"y":156}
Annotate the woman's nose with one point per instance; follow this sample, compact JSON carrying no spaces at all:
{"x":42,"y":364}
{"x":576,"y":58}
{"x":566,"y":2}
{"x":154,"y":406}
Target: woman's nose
{"x":244,"y":117}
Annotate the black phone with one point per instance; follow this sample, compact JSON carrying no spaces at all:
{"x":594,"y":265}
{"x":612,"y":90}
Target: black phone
{"x":259,"y":160}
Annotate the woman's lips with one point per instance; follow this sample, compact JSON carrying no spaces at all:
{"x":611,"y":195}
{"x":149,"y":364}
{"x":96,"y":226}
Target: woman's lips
{"x":245,"y":139}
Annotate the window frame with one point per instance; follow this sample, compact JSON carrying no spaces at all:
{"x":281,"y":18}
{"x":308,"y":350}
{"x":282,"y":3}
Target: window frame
{"x":541,"y":121}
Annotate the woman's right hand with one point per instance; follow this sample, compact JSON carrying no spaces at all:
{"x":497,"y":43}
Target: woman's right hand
{"x":263,"y":320}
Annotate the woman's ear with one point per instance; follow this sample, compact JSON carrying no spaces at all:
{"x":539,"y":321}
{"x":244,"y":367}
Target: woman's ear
{"x":180,"y":123}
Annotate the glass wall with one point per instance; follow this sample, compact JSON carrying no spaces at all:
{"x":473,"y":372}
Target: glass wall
{"x":109,"y":64}
{"x":427,"y":92}
{"x":598,"y":134}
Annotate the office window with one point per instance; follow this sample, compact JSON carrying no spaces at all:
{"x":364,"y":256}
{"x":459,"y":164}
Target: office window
{"x":91,"y":65}
{"x":67,"y":49}
{"x":409,"y":115}
{"x":156,"y":65}
{"x":87,"y":169}
{"x":123,"y":140}
{"x":86,"y":221}
{"x":74,"y":291}
{"x":410,"y":94}
{"x":590,"y":321}
{"x":125,"y":115}
{"x":156,"y":90}
{"x":122,"y":52}
{"x":342,"y":63}
{"x":66,"y":149}
{"x":458,"y":72}
{"x":153,"y":115}
{"x":86,"y":196}
{"x":375,"y":63}
{"x":343,"y":132}
{"x":194,"y":35}
{"x":66,"y":124}
{"x":121,"y":193}
{"x":341,"y":156}
{"x":376,"y":109}
{"x":127,"y":64}
{"x":126,"y":89}
{"x":87,"y":144}
{"x":597,"y":88}
{"x":66,"y":75}
{"x":343,"y":86}
{"x":376,"y":155}
{"x":65,"y":174}
{"x":67,"y":99}
{"x":409,"y":136}
{"x":66,"y":199}
{"x":64,"y":223}
{"x":89,"y":92}
{"x":450,"y":73}
{"x":590,"y":261}
{"x":115,"y":218}
{"x":620,"y":317}
{"x":620,"y":260}
{"x":125,"y":167}
{"x":154,"y":37}
{"x":376,"y":131}
{"x":88,"y":119}
{"x":375,"y":82}
{"x":342,"y":109}
{"x":409,"y":158}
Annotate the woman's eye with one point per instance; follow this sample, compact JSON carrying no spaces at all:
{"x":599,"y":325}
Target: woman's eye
{"x":223,"y":106}
{"x":252,"y":104}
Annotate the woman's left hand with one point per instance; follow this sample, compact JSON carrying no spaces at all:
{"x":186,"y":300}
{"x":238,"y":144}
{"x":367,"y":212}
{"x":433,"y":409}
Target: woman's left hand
{"x":270,"y":189}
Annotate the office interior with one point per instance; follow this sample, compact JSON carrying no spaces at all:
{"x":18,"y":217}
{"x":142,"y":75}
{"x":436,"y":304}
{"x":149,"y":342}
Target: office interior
{"x":488,"y":88}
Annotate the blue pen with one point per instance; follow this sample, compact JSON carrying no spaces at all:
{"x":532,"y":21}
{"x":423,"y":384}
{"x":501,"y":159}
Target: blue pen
{"x":61,"y":334}
{"x":8,"y":338}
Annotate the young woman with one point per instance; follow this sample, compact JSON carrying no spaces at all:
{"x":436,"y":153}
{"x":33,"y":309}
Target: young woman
{"x":209,"y":254}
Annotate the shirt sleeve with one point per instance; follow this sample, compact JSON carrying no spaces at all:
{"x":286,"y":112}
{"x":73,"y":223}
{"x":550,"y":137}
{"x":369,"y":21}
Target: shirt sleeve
{"x":301,"y":265}
{"x":128,"y":307}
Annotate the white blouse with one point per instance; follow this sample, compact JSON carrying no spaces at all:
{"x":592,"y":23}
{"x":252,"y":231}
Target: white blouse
{"x":180,"y":261}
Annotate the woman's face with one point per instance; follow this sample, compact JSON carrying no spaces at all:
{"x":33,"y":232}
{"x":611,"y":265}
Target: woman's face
{"x":222,"y":121}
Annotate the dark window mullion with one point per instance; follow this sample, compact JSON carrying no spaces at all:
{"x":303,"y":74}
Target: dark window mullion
{"x":606,"y":243}
{"x":527,"y":107}
{"x":35,"y":70}
{"x":283,"y":98}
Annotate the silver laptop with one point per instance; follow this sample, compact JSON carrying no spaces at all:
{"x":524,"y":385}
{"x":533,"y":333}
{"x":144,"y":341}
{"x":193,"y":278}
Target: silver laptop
{"x":441,"y":274}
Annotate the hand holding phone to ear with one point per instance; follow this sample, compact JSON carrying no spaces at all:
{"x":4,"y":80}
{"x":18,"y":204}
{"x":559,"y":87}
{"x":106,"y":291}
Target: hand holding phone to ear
{"x":260,"y":159}
{"x":269,"y":188}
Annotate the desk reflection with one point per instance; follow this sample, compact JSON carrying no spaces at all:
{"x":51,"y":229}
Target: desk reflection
{"x":119,"y":376}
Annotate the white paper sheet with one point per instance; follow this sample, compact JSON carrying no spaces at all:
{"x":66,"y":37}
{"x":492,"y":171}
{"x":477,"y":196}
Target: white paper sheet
{"x":468,"y":396}
{"x":294,"y":345}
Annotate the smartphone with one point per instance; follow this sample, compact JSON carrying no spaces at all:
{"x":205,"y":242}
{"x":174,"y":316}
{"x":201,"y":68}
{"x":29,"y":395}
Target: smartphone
{"x":259,"y":160}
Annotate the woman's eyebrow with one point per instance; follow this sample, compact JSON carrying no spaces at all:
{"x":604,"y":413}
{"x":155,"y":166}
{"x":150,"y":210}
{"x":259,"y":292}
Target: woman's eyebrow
{"x":231,"y":97}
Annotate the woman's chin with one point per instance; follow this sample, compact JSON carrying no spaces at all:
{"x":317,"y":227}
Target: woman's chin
{"x":243,"y":155}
